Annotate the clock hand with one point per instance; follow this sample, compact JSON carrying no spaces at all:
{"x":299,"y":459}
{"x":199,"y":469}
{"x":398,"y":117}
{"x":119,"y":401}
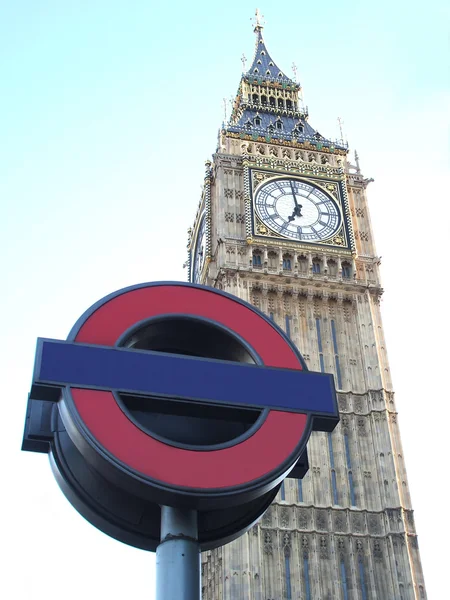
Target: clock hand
{"x":297,"y":212}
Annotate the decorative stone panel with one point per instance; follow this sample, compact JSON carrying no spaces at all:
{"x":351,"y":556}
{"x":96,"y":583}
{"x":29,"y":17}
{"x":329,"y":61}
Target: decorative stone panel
{"x":357,"y":521}
{"x":322,"y":520}
{"x":340,"y":521}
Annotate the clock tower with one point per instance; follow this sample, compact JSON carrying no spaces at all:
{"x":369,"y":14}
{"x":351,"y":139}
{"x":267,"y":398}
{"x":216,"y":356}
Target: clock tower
{"x":283,"y":222}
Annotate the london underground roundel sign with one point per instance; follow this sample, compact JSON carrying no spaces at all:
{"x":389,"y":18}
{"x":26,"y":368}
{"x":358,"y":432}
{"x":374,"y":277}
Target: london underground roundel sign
{"x":176,"y":394}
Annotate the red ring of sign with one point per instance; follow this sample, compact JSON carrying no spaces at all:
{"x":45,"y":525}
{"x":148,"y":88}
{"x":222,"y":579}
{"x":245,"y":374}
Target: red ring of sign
{"x":240,"y":464}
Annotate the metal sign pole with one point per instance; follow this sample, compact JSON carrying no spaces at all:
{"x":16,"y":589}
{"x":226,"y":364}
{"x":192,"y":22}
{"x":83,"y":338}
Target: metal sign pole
{"x":178,"y":556}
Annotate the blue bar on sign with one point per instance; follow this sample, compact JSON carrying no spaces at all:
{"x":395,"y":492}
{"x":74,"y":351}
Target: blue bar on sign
{"x":183,"y":377}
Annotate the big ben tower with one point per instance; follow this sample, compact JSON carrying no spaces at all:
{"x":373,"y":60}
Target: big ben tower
{"x":284,"y":223}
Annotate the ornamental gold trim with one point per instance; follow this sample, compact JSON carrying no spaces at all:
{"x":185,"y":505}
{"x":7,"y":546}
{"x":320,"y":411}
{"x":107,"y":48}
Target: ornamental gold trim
{"x":296,"y":247}
{"x":306,"y":145}
{"x":262,"y":230}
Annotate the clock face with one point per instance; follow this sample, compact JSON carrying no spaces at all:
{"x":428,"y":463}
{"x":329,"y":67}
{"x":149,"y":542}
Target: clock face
{"x":297,"y":210}
{"x":199,"y":251}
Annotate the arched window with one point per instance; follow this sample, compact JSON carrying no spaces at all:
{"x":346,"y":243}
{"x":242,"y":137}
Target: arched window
{"x":280,"y":103}
{"x":272,"y":101}
{"x":279,"y":125}
{"x":272,"y":259}
{"x":257,"y":121}
{"x":332,"y":268}
{"x":255,"y":98}
{"x":346,"y":270}
{"x":257,"y":258}
{"x":263,"y":99}
{"x":297,"y":131}
{"x":302,"y":264}
{"x":287,"y":262}
{"x":316,"y":266}
{"x":289,"y":104}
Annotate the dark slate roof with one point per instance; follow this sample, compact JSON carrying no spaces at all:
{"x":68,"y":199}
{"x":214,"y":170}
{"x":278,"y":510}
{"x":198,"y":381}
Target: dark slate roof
{"x":294,"y":125}
{"x":263,"y":65}
{"x":292,"y":128}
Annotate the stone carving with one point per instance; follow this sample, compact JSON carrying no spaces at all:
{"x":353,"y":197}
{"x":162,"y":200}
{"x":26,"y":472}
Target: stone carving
{"x":346,"y":311}
{"x":377,"y":396}
{"x":377,"y":550}
{"x":261,"y":229}
{"x":323,"y":547}
{"x":357,"y":522}
{"x":358,"y":403}
{"x":361,"y":422}
{"x":340,"y":523}
{"x":321,"y":520}
{"x":343,"y":402}
{"x":267,"y":517}
{"x":398,"y":540}
{"x":390,"y":397}
{"x":284,"y":517}
{"x":373,"y":522}
{"x":359,"y":547}
{"x":287,"y":543}
{"x":268,"y":547}
{"x":302,"y":519}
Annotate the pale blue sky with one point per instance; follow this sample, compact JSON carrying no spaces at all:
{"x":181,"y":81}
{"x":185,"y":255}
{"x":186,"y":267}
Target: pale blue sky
{"x":108,"y":111}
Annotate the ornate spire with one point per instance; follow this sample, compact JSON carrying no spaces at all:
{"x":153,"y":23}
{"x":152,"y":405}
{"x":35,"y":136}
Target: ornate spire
{"x":269,"y":104}
{"x":258,"y":20}
{"x":263,"y":66}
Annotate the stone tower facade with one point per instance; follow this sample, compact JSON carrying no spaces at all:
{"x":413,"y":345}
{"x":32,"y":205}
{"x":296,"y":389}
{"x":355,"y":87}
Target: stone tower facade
{"x":284,"y":224}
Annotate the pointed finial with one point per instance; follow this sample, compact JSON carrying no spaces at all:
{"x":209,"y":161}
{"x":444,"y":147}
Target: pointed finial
{"x":294,"y":70}
{"x":341,"y":128}
{"x":258,"y":21}
{"x":302,"y":99}
{"x":224,"y":110}
{"x":243,"y":61}
{"x":358,"y":170}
